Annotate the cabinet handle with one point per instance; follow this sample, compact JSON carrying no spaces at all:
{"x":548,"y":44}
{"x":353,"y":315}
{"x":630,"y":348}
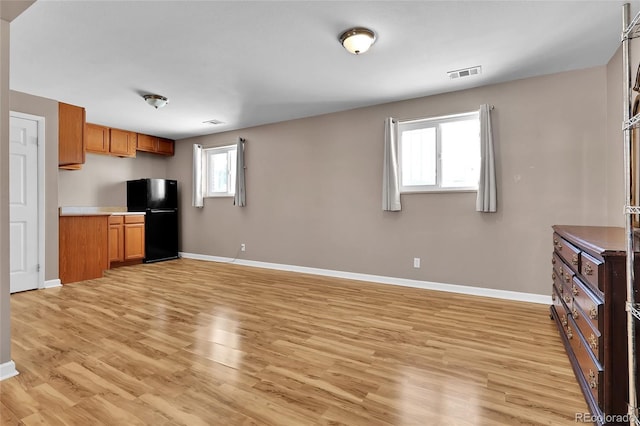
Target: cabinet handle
{"x":567,"y":299}
{"x":575,"y":313}
{"x":593,"y":380}
{"x":588,"y":270}
{"x":569,"y":333}
{"x":553,"y":260}
{"x":574,"y":289}
{"x":593,"y":313}
{"x":593,"y":342}
{"x":564,"y":320}
{"x":553,"y":276}
{"x":574,"y":260}
{"x":567,"y":277}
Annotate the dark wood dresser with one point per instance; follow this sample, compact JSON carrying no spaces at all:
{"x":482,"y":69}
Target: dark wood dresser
{"x":589,"y":298}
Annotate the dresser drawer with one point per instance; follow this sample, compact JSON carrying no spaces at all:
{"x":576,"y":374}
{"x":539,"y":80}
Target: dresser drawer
{"x":567,"y":282}
{"x":588,"y":302}
{"x":569,"y":253}
{"x":592,"y":270}
{"x":591,"y":335}
{"x":589,"y":367}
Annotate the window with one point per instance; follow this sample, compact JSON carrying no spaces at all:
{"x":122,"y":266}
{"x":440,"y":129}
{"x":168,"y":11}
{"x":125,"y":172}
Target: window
{"x":440,"y":154}
{"x":220,"y":171}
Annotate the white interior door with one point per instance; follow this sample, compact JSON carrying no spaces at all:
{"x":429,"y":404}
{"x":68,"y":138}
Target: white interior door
{"x":23,"y":202}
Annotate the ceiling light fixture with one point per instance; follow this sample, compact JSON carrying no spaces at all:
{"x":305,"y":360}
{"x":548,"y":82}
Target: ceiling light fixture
{"x":156,"y":101}
{"x":357,"y":40}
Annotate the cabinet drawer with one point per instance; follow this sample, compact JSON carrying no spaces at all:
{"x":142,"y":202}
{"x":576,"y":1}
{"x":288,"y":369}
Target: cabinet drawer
{"x":590,"y":334}
{"x":561,"y":309}
{"x":589,"y":367}
{"x":569,"y":253}
{"x":588,"y":302}
{"x":115,"y":220}
{"x":592,"y":270}
{"x":134,"y":219}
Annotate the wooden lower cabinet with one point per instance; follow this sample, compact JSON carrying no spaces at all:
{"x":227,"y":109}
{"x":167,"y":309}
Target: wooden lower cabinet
{"x":126,"y":239}
{"x":83,"y":246}
{"x":116,"y":239}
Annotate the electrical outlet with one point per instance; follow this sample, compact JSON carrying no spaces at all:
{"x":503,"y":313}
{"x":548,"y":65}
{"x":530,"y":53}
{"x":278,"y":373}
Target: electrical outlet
{"x":243,"y":247}
{"x":416,"y":262}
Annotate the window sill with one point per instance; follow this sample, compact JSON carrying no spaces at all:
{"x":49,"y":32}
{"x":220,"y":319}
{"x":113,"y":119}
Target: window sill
{"x":220,"y":196}
{"x":441,"y":191}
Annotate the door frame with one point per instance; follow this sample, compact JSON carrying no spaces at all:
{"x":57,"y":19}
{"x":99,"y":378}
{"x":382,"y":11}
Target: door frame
{"x":41,"y":196}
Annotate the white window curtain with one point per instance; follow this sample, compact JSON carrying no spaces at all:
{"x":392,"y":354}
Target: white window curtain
{"x":390,"y":176}
{"x":240,"y":198}
{"x":486,"y":200}
{"x":197,"y":199}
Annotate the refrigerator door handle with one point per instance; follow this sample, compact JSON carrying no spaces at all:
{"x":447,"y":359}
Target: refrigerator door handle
{"x":162,"y":210}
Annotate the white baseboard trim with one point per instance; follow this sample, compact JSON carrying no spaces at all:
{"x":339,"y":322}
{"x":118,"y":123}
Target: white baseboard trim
{"x":427,"y":285}
{"x":52,"y":283}
{"x":8,"y":369}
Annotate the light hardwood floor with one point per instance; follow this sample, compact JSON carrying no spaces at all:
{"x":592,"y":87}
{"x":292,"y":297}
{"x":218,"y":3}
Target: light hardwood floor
{"x":199,"y":343}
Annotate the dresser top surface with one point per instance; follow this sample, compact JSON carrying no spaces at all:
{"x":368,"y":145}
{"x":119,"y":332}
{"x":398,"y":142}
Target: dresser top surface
{"x":600,"y":240}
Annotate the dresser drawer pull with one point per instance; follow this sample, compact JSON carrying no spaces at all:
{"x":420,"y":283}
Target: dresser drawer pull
{"x":553,"y":260}
{"x":574,"y":313}
{"x":574,"y":260}
{"x":593,"y":380}
{"x":569,"y":333}
{"x":567,"y":277}
{"x":553,"y":276}
{"x":574,"y":289}
{"x":564,"y":320}
{"x":567,"y":298}
{"x":593,"y":342}
{"x":588,"y":270}
{"x":593,"y":313}
{"x":557,"y":243}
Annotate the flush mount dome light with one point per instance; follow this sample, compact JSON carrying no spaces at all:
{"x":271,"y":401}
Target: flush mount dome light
{"x":156,"y":101}
{"x":357,"y":40}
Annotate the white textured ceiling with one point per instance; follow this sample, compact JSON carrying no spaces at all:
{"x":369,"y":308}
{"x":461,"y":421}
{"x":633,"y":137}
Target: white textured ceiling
{"x":254,"y":62}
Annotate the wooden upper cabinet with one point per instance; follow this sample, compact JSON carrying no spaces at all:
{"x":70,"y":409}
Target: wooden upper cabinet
{"x":97,"y":139}
{"x":147,"y":143}
{"x":156,"y":145}
{"x":104,"y":140}
{"x":165,"y":146}
{"x":123,"y":143}
{"x":71,"y":135}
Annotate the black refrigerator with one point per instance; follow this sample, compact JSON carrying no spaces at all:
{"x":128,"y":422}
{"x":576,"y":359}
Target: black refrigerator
{"x":158,"y":198}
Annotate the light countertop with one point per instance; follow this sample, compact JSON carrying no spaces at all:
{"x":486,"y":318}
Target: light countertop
{"x":95,"y":211}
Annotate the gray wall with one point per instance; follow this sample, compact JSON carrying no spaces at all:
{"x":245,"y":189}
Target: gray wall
{"x":47,"y":108}
{"x":5,"y":308}
{"x":102,"y":179}
{"x":314,"y":189}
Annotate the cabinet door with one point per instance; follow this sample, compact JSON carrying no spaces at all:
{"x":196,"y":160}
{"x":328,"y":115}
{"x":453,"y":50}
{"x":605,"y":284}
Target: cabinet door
{"x":133,"y":241}
{"x":147,"y":143}
{"x":71,"y":143}
{"x":165,"y":146}
{"x":123,"y":143}
{"x":116,"y":243}
{"x":83,"y":246}
{"x":97,"y":139}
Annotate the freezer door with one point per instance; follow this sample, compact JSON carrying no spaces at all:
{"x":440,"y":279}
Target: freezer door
{"x":162,"y":194}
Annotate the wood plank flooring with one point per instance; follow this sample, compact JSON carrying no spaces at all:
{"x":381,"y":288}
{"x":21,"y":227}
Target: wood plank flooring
{"x":189,"y":342}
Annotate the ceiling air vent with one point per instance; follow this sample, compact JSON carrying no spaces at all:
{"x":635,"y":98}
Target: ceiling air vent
{"x":466,"y":72}
{"x":213,"y":122}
